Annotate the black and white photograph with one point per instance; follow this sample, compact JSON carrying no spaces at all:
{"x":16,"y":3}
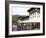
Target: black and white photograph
{"x":25,"y":21}
{"x":25,"y":18}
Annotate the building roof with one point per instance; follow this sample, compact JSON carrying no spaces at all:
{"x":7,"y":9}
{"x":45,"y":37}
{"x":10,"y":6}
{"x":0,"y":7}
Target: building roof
{"x":23,"y":18}
{"x":33,"y":10}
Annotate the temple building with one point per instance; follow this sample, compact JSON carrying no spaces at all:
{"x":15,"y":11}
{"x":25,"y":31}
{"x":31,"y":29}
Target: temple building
{"x":34,"y":15}
{"x":32,"y":21}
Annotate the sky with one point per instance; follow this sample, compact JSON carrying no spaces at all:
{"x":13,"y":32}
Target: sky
{"x":20,"y":10}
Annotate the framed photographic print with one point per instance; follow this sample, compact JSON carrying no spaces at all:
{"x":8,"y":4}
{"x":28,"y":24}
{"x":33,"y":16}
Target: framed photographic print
{"x":24,"y":18}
